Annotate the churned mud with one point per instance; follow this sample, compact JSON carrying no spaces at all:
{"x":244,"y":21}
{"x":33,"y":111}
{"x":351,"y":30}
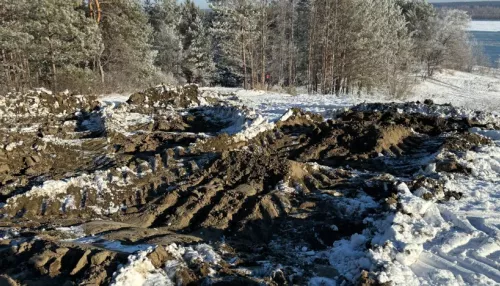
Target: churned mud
{"x":83,"y":185}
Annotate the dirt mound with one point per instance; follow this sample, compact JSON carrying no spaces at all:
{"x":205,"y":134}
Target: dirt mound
{"x":161,"y":171}
{"x":44,"y":103}
{"x":43,"y":262}
{"x":163,"y":97}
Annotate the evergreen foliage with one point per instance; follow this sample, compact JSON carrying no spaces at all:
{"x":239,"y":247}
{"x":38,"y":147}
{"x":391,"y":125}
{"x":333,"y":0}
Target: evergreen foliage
{"x":332,"y":46}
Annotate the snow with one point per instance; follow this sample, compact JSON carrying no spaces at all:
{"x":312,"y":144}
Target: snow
{"x":479,"y":90}
{"x":462,"y":89}
{"x":452,"y":243}
{"x":41,"y":90}
{"x":425,"y":242}
{"x":431,"y":242}
{"x":275,"y":105}
{"x":492,"y":134}
{"x":99,"y":182}
{"x":74,"y":231}
{"x":113,"y":99}
{"x":140,"y":271}
{"x":484,"y":26}
{"x":421,"y":242}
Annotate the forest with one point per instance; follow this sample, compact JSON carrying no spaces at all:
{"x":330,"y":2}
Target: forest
{"x":328,"y":46}
{"x":482,"y":10}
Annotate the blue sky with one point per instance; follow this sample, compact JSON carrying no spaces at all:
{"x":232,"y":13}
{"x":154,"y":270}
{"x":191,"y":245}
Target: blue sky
{"x":203,"y":3}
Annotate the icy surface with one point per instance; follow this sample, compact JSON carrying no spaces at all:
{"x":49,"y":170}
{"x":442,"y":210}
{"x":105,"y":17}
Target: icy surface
{"x":484,"y":26}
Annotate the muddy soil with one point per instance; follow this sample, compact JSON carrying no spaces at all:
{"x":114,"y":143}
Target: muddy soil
{"x":162,"y":169}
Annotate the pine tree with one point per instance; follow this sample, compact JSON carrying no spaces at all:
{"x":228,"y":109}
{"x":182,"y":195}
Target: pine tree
{"x":128,"y":58}
{"x":48,"y":35}
{"x":197,"y":63}
{"x":14,"y":42}
{"x":235,"y":32}
{"x":166,"y":42}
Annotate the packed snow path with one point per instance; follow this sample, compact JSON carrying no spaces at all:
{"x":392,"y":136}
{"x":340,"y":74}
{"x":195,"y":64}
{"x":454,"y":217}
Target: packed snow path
{"x":467,"y":251}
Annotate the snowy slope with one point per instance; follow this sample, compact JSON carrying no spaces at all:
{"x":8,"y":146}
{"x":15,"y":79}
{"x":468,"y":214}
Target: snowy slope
{"x":480,"y":92}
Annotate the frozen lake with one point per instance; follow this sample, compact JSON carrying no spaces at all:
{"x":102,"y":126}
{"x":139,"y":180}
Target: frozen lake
{"x":488,"y":34}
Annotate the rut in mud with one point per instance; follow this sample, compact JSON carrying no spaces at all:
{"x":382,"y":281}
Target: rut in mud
{"x":167,"y":168}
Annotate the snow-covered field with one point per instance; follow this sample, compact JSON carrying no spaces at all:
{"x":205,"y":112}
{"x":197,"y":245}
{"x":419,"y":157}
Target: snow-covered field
{"x":485,"y":26}
{"x":473,"y":91}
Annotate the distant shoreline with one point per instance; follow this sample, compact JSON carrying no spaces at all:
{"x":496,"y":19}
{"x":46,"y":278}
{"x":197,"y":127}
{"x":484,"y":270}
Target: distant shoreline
{"x":484,"y":26}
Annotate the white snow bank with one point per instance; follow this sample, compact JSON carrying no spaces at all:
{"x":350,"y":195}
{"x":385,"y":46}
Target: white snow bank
{"x":114,"y":99}
{"x":194,"y":254}
{"x":449,"y":243}
{"x":140,"y":271}
{"x":484,"y":26}
{"x":455,"y":242}
{"x":473,"y":91}
{"x":246,"y":123}
{"x":401,"y":244}
{"x":74,"y":231}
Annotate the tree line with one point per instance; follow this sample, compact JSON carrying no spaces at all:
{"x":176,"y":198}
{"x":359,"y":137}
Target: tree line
{"x":330,"y":46}
{"x":476,"y":10}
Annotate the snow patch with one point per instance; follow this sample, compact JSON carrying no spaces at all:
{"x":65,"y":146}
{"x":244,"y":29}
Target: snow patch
{"x":140,"y":271}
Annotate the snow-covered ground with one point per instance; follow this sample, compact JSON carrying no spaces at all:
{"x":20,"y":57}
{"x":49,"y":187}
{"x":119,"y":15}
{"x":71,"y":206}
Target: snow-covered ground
{"x":477,"y":91}
{"x":467,"y":90}
{"x":484,"y":26}
{"x":466,"y":248}
{"x":446,"y":243}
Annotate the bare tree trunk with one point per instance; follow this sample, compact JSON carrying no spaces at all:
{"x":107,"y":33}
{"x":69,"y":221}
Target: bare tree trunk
{"x":253,"y":69}
{"x":243,"y":54}
{"x":312,"y":28}
{"x":334,"y":48}
{"x":28,"y":67}
{"x":326,"y":37}
{"x":54,"y":71}
{"x":101,"y":69}
{"x":263,"y":43}
{"x":6,"y":67}
{"x":291,"y":52}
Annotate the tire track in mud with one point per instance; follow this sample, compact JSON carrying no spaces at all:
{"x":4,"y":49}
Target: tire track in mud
{"x":165,"y":182}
